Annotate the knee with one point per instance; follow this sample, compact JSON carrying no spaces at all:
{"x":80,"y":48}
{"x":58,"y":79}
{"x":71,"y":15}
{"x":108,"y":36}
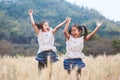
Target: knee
{"x":79,"y":71}
{"x":41,"y":65}
{"x":68,"y":71}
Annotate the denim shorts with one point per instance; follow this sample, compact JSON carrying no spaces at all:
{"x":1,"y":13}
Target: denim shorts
{"x":72,"y":63}
{"x":42,"y":57}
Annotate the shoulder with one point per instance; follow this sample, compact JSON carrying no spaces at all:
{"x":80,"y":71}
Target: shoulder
{"x":51,"y":30}
{"x":40,"y":31}
{"x":82,"y":37}
{"x":71,"y":37}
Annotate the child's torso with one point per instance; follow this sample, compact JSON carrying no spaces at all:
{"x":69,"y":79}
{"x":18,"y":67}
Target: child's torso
{"x":74,"y":47}
{"x":46,"y":41}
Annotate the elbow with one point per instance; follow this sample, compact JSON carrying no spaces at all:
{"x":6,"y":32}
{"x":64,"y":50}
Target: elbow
{"x":64,"y":31}
{"x":33,"y":24}
{"x":86,"y":38}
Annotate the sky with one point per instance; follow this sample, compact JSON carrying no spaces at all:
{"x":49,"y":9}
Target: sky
{"x":108,"y":8}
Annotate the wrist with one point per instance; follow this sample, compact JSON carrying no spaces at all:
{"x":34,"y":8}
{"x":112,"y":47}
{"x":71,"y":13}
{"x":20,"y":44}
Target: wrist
{"x":97,"y":26}
{"x":64,"y":21}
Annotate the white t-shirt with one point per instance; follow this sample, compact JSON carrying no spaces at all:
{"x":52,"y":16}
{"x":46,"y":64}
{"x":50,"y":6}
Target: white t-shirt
{"x":74,"y":47}
{"x":46,"y":41}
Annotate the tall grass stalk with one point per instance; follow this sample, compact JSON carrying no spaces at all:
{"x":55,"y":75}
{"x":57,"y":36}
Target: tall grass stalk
{"x":25,"y":68}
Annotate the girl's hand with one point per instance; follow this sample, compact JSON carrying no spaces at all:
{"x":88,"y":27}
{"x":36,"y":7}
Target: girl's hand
{"x":68,"y":19}
{"x":99,"y":24}
{"x":30,"y":12}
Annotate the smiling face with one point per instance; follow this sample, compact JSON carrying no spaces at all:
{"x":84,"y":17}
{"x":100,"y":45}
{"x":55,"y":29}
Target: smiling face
{"x":46,"y":27}
{"x":75,"y":32}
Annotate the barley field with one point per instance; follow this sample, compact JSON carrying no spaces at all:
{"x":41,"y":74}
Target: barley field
{"x":25,"y":68}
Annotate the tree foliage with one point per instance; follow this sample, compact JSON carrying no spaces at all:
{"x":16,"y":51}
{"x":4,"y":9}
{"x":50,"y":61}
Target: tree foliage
{"x":15,"y":25}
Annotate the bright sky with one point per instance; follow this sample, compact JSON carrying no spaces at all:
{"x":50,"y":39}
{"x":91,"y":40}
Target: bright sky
{"x":109,"y":8}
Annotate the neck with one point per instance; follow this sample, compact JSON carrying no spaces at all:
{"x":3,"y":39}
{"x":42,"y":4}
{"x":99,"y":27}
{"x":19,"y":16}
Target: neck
{"x":45,"y":30}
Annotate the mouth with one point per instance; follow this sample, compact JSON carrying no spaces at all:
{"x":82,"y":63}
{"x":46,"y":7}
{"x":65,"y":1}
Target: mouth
{"x":48,"y":29}
{"x":74,"y":35}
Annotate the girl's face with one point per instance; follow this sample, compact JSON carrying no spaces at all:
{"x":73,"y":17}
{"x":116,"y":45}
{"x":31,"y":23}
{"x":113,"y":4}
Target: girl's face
{"x":75,"y":32}
{"x":46,"y":27}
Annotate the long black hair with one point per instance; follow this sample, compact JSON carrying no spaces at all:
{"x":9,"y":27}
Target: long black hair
{"x":82,"y":28}
{"x":40,"y":25}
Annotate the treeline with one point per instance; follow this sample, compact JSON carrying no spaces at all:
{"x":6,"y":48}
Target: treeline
{"x":15,"y":26}
{"x":92,"y":47}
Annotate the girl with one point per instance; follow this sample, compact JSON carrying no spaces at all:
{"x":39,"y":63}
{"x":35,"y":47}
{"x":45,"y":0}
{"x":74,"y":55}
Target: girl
{"x":45,"y":36}
{"x":74,"y":46}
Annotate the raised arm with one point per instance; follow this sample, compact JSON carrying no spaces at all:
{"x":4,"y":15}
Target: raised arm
{"x":98,"y":24}
{"x":66,"y":33}
{"x":58,"y":26}
{"x":30,"y":12}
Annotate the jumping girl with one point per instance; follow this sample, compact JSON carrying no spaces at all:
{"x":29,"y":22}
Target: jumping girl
{"x":75,"y":38}
{"x":45,"y":35}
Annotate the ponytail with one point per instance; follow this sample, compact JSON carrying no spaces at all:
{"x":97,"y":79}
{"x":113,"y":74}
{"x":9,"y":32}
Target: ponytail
{"x":84,"y":30}
{"x":40,"y":25}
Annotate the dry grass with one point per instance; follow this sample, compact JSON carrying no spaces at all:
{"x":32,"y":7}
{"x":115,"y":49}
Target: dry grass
{"x":25,"y":68}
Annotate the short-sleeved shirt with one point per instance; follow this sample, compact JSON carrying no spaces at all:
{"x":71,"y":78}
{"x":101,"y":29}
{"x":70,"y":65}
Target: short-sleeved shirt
{"x":46,"y":41}
{"x":74,"y":47}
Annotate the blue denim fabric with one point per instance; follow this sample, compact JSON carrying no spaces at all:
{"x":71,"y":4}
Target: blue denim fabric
{"x":42,"y":57}
{"x":72,"y":63}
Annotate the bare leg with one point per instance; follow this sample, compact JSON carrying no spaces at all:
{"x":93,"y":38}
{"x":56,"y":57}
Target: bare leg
{"x":69,"y":74}
{"x":41,"y":66}
{"x":78,"y":74}
{"x":49,"y":67}
{"x":68,"y":71}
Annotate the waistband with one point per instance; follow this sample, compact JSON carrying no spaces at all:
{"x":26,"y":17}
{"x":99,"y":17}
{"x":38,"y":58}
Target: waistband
{"x":50,"y":50}
{"x":73,"y":59}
